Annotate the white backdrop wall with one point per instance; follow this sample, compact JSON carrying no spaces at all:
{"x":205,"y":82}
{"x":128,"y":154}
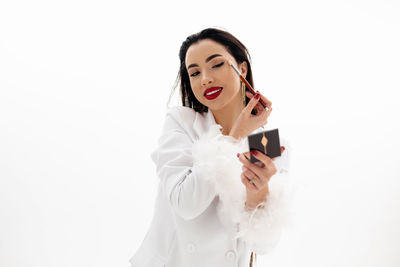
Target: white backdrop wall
{"x":83,"y":91}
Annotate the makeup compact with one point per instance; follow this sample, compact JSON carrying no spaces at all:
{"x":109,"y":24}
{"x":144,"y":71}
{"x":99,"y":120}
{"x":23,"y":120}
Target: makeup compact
{"x":266,"y":142}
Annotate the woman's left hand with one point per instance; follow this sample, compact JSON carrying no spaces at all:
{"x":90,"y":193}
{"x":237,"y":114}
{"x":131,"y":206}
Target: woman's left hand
{"x":256,"y":178}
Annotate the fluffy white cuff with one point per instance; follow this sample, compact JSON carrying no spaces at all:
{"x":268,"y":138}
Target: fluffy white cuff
{"x":215,"y":155}
{"x":261,"y":228}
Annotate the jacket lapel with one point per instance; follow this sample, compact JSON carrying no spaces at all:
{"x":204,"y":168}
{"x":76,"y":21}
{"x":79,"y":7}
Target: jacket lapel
{"x":202,"y":123}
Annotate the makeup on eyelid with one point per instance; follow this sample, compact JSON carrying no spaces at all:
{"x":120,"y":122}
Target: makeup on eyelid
{"x":217,"y":65}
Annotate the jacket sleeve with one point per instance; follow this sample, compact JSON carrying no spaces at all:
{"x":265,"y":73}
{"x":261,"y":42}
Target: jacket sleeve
{"x":183,"y":167}
{"x":262,"y":227}
{"x":194,"y":171}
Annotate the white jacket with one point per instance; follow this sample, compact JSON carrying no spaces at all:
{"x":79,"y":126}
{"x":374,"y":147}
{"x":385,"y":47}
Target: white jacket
{"x":199,"y":216}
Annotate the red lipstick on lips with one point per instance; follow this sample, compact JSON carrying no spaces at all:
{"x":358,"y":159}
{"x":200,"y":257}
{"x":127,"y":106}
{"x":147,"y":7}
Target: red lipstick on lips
{"x":213,"y":95}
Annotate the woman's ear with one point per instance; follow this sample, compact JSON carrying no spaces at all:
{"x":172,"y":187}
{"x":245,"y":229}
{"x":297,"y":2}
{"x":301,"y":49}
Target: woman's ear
{"x":243,"y":68}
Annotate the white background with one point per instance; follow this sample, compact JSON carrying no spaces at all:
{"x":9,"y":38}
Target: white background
{"x":83,"y":91}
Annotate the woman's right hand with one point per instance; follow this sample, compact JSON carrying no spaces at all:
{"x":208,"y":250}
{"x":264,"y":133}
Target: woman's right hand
{"x":246,"y":123}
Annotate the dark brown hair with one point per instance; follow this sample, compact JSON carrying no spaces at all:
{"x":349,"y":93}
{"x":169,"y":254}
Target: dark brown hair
{"x":232,"y":45}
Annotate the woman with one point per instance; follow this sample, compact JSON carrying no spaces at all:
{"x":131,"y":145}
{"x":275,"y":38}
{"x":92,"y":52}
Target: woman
{"x":214,"y":207}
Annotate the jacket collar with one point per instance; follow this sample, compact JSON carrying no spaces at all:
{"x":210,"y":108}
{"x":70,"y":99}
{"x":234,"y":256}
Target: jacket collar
{"x":203,"y":122}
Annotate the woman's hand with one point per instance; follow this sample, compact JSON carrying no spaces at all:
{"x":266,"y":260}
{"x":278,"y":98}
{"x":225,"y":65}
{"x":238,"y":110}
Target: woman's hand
{"x":256,"y":178}
{"x":246,"y":123}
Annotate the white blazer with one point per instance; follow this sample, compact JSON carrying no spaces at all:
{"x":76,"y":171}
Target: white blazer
{"x":199,"y":216}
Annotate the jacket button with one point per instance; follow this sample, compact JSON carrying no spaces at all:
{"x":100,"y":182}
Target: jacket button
{"x":190,"y":248}
{"x":230,"y":255}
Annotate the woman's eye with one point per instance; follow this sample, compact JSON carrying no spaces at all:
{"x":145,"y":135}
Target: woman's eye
{"x":215,"y":66}
{"x":194,"y":74}
{"x":219,"y":65}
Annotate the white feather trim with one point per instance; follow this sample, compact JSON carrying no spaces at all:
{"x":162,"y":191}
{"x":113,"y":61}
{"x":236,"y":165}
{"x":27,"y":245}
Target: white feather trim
{"x":216,"y":154}
{"x":261,"y":228}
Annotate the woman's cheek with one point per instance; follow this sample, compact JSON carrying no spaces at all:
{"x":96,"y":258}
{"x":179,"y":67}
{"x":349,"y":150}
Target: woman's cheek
{"x":197,"y":93}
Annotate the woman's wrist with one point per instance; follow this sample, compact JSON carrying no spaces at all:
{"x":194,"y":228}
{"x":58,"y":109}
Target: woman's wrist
{"x":236,"y":134}
{"x":253,"y":200}
{"x":252,"y":206}
{"x":233,"y":134}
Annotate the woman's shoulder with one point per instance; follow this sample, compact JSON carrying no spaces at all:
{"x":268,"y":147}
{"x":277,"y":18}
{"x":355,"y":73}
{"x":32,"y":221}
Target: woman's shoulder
{"x":178,"y":118}
{"x":179,"y":112}
{"x":192,"y":122}
{"x":184,"y":116}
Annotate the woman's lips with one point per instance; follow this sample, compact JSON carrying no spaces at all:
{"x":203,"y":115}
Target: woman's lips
{"x":212,"y":93}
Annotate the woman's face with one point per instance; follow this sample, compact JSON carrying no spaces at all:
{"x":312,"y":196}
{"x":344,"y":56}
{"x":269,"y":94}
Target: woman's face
{"x":214,"y":82}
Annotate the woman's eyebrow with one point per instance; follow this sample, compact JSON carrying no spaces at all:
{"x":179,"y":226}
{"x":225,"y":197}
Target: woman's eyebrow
{"x":207,"y":59}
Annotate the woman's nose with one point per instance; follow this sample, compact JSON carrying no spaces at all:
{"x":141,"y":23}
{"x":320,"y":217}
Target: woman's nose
{"x":206,"y":79}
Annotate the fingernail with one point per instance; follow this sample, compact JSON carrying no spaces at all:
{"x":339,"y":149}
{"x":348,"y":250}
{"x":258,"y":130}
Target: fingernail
{"x":237,"y":155}
{"x":254,"y":152}
{"x":257,"y":96}
{"x":283,"y":147}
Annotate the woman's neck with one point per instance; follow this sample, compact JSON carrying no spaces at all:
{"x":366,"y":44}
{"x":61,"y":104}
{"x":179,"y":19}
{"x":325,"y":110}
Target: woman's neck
{"x":227,"y":116}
